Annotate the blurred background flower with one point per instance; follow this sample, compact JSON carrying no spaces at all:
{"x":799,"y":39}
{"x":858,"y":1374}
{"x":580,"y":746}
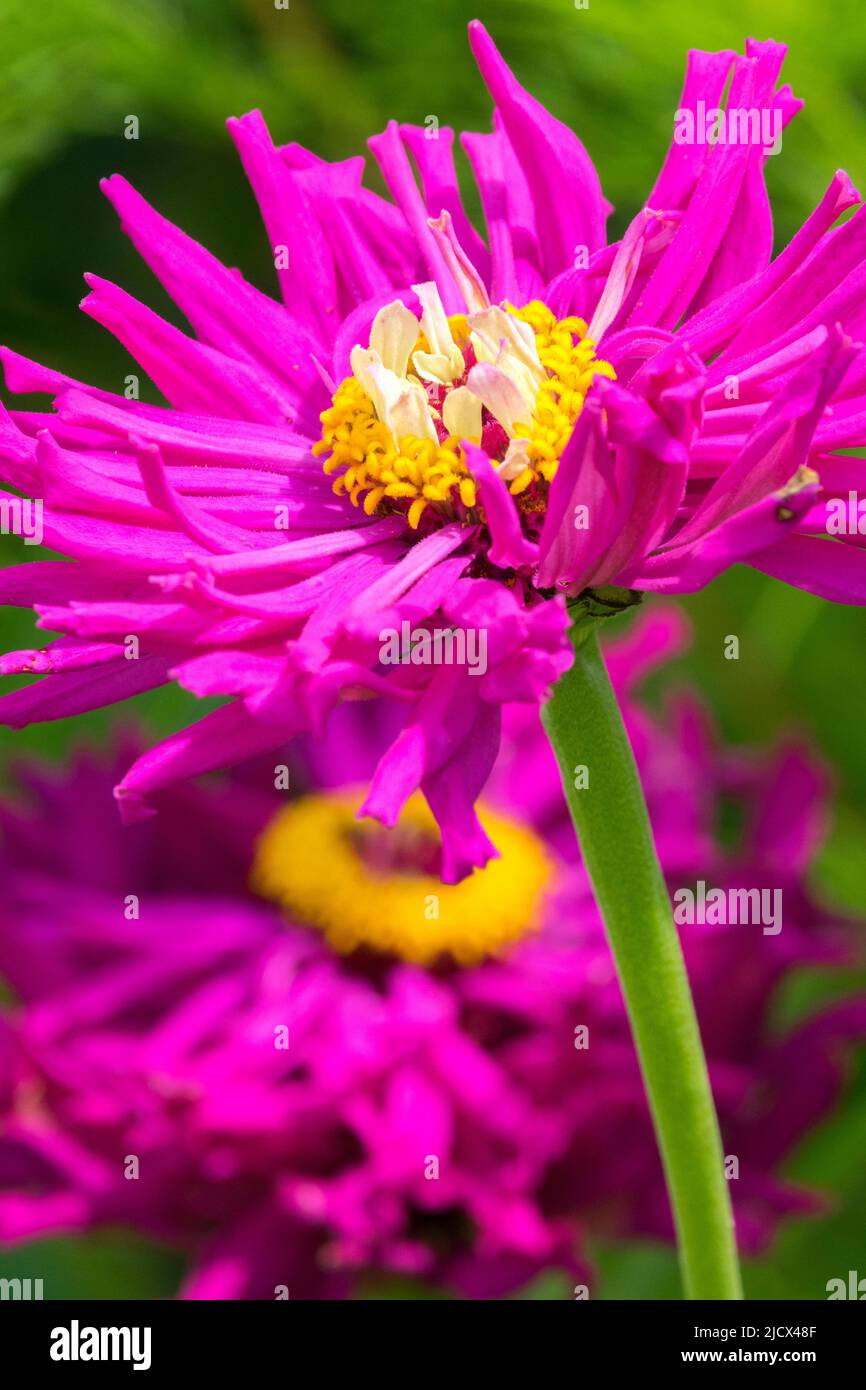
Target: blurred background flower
{"x":393,"y":1077}
{"x":326,"y":74}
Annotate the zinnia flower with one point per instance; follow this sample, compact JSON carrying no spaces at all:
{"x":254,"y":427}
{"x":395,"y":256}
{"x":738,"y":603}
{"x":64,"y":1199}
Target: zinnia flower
{"x":440,"y":435}
{"x":387,"y":1074}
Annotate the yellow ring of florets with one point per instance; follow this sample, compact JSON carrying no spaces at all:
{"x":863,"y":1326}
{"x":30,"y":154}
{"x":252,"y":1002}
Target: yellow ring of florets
{"x":309,"y":860}
{"x":366,"y":459}
{"x":380,"y":473}
{"x":573,"y":368}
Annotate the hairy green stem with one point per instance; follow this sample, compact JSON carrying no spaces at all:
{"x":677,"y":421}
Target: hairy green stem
{"x":585,"y":728}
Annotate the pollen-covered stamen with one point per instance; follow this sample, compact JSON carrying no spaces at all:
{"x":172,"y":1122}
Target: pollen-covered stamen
{"x":510,"y":379}
{"x":382,"y":890}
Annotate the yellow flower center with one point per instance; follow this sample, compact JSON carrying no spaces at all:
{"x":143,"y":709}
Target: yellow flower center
{"x":387,"y":471}
{"x":361,"y":885}
{"x":569,"y":358}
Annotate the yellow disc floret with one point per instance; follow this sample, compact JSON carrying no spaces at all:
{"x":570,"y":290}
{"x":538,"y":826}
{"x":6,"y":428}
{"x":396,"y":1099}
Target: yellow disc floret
{"x":572,"y":367}
{"x":372,"y":469}
{"x":452,"y":379}
{"x":327,"y":870}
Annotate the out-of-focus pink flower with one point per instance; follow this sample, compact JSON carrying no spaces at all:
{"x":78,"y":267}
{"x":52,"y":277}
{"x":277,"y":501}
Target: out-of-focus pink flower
{"x":397,"y":443}
{"x":448,"y":1121}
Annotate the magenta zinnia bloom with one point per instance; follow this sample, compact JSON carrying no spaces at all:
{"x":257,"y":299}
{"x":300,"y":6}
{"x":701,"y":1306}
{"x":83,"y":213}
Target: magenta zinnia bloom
{"x":468,"y":1114}
{"x":437,"y":433}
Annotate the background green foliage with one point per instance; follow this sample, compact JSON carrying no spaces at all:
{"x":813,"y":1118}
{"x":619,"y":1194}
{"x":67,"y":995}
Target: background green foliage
{"x":328,"y":73}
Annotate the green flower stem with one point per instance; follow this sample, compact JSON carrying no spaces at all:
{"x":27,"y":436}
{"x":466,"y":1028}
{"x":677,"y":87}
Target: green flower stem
{"x":585,"y":728}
